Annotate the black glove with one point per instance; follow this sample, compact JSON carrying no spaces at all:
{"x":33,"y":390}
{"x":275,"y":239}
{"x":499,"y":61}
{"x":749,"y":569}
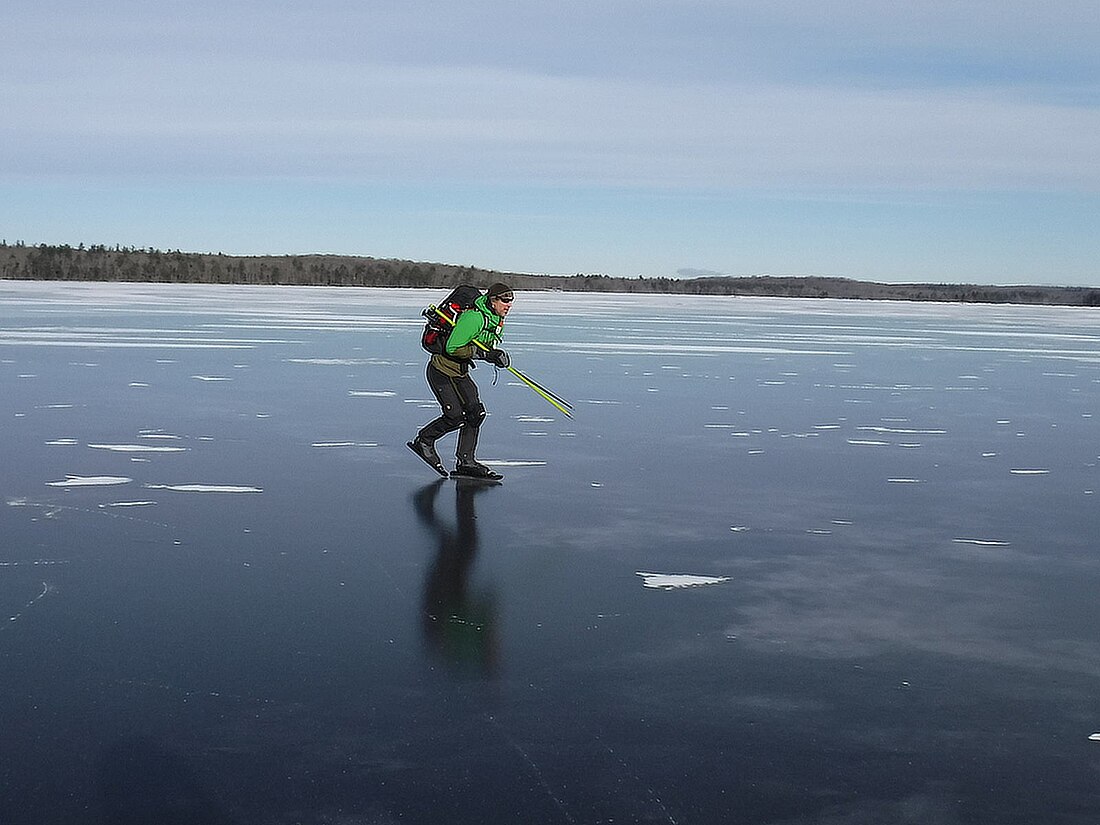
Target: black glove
{"x":498,"y":357}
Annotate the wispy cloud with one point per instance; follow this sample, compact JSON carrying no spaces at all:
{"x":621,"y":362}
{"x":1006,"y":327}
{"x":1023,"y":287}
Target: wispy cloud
{"x":286,"y":119}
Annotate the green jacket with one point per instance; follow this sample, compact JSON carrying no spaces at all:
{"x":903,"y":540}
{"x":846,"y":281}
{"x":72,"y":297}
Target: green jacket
{"x":476,"y":324}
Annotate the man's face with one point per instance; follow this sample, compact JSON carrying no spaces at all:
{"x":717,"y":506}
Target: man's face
{"x":502,"y":304}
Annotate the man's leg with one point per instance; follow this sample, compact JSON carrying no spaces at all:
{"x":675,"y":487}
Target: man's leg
{"x":473,"y":414}
{"x":450,"y":403}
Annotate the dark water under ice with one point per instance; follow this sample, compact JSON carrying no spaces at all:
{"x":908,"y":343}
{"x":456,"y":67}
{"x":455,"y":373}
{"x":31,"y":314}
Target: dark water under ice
{"x":792,"y":562}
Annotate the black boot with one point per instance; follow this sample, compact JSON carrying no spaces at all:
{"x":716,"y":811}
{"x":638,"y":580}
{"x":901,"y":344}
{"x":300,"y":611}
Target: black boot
{"x":427,"y":454}
{"x":471,"y":468}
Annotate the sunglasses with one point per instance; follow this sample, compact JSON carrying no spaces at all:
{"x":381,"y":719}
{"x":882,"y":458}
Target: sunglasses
{"x":504,"y":299}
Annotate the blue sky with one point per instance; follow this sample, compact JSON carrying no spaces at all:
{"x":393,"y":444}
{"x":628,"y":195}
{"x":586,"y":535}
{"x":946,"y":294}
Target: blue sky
{"x":930,"y":141}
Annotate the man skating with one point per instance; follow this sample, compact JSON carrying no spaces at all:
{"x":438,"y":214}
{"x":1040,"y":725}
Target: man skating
{"x":449,"y":379}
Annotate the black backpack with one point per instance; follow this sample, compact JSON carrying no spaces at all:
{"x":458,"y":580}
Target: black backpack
{"x":441,"y":318}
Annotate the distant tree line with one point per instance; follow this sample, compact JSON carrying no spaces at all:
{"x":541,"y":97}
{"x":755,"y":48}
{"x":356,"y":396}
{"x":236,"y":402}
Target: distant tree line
{"x":44,"y":262}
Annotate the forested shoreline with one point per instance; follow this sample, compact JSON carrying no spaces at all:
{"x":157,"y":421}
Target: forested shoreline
{"x":126,"y":264}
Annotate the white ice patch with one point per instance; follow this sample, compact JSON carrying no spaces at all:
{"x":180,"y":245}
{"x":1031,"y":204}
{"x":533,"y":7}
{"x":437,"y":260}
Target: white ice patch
{"x":982,"y":542}
{"x":211,"y":378}
{"x":371,"y":393}
{"x":901,"y":431}
{"x":516,"y":462}
{"x":673,"y":581}
{"x":62,"y":442}
{"x":344,"y":444}
{"x":128,"y":504}
{"x":89,"y":481}
{"x":903,"y":480}
{"x":338,"y":362}
{"x":864,"y":443}
{"x":533,"y":419}
{"x":1026,"y":472}
{"x":204,"y":488}
{"x":137,"y":448}
{"x":1095,"y":737}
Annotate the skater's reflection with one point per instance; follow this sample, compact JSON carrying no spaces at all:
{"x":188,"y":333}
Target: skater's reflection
{"x":458,"y":620}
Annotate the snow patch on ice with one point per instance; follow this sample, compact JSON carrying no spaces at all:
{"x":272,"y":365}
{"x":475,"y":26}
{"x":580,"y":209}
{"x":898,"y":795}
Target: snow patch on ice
{"x":901,"y":431}
{"x":673,"y":581}
{"x":211,"y":378}
{"x":337,"y":362}
{"x":137,"y":448}
{"x":371,"y":393}
{"x":204,"y":488}
{"x":89,"y":481}
{"x":982,"y":542}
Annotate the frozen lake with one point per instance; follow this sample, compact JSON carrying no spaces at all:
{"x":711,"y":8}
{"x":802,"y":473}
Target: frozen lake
{"x":792,"y":562}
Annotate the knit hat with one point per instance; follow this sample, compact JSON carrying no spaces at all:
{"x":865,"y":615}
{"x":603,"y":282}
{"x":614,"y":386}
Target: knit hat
{"x":498,"y":290}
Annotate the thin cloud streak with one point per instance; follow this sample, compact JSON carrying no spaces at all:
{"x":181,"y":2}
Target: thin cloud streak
{"x":260,"y":120}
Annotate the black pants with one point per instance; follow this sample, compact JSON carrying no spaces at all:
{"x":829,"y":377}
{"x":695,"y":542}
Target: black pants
{"x":462,"y":410}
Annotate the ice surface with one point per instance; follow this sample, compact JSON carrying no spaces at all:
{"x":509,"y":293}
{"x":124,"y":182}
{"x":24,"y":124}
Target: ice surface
{"x":701,"y":604}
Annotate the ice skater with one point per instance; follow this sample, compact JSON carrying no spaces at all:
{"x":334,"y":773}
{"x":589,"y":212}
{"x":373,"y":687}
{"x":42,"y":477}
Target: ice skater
{"x":448,"y":375}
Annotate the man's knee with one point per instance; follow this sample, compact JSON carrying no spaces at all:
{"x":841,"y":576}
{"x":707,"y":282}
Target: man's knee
{"x":454,"y":416}
{"x":474,"y":415}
